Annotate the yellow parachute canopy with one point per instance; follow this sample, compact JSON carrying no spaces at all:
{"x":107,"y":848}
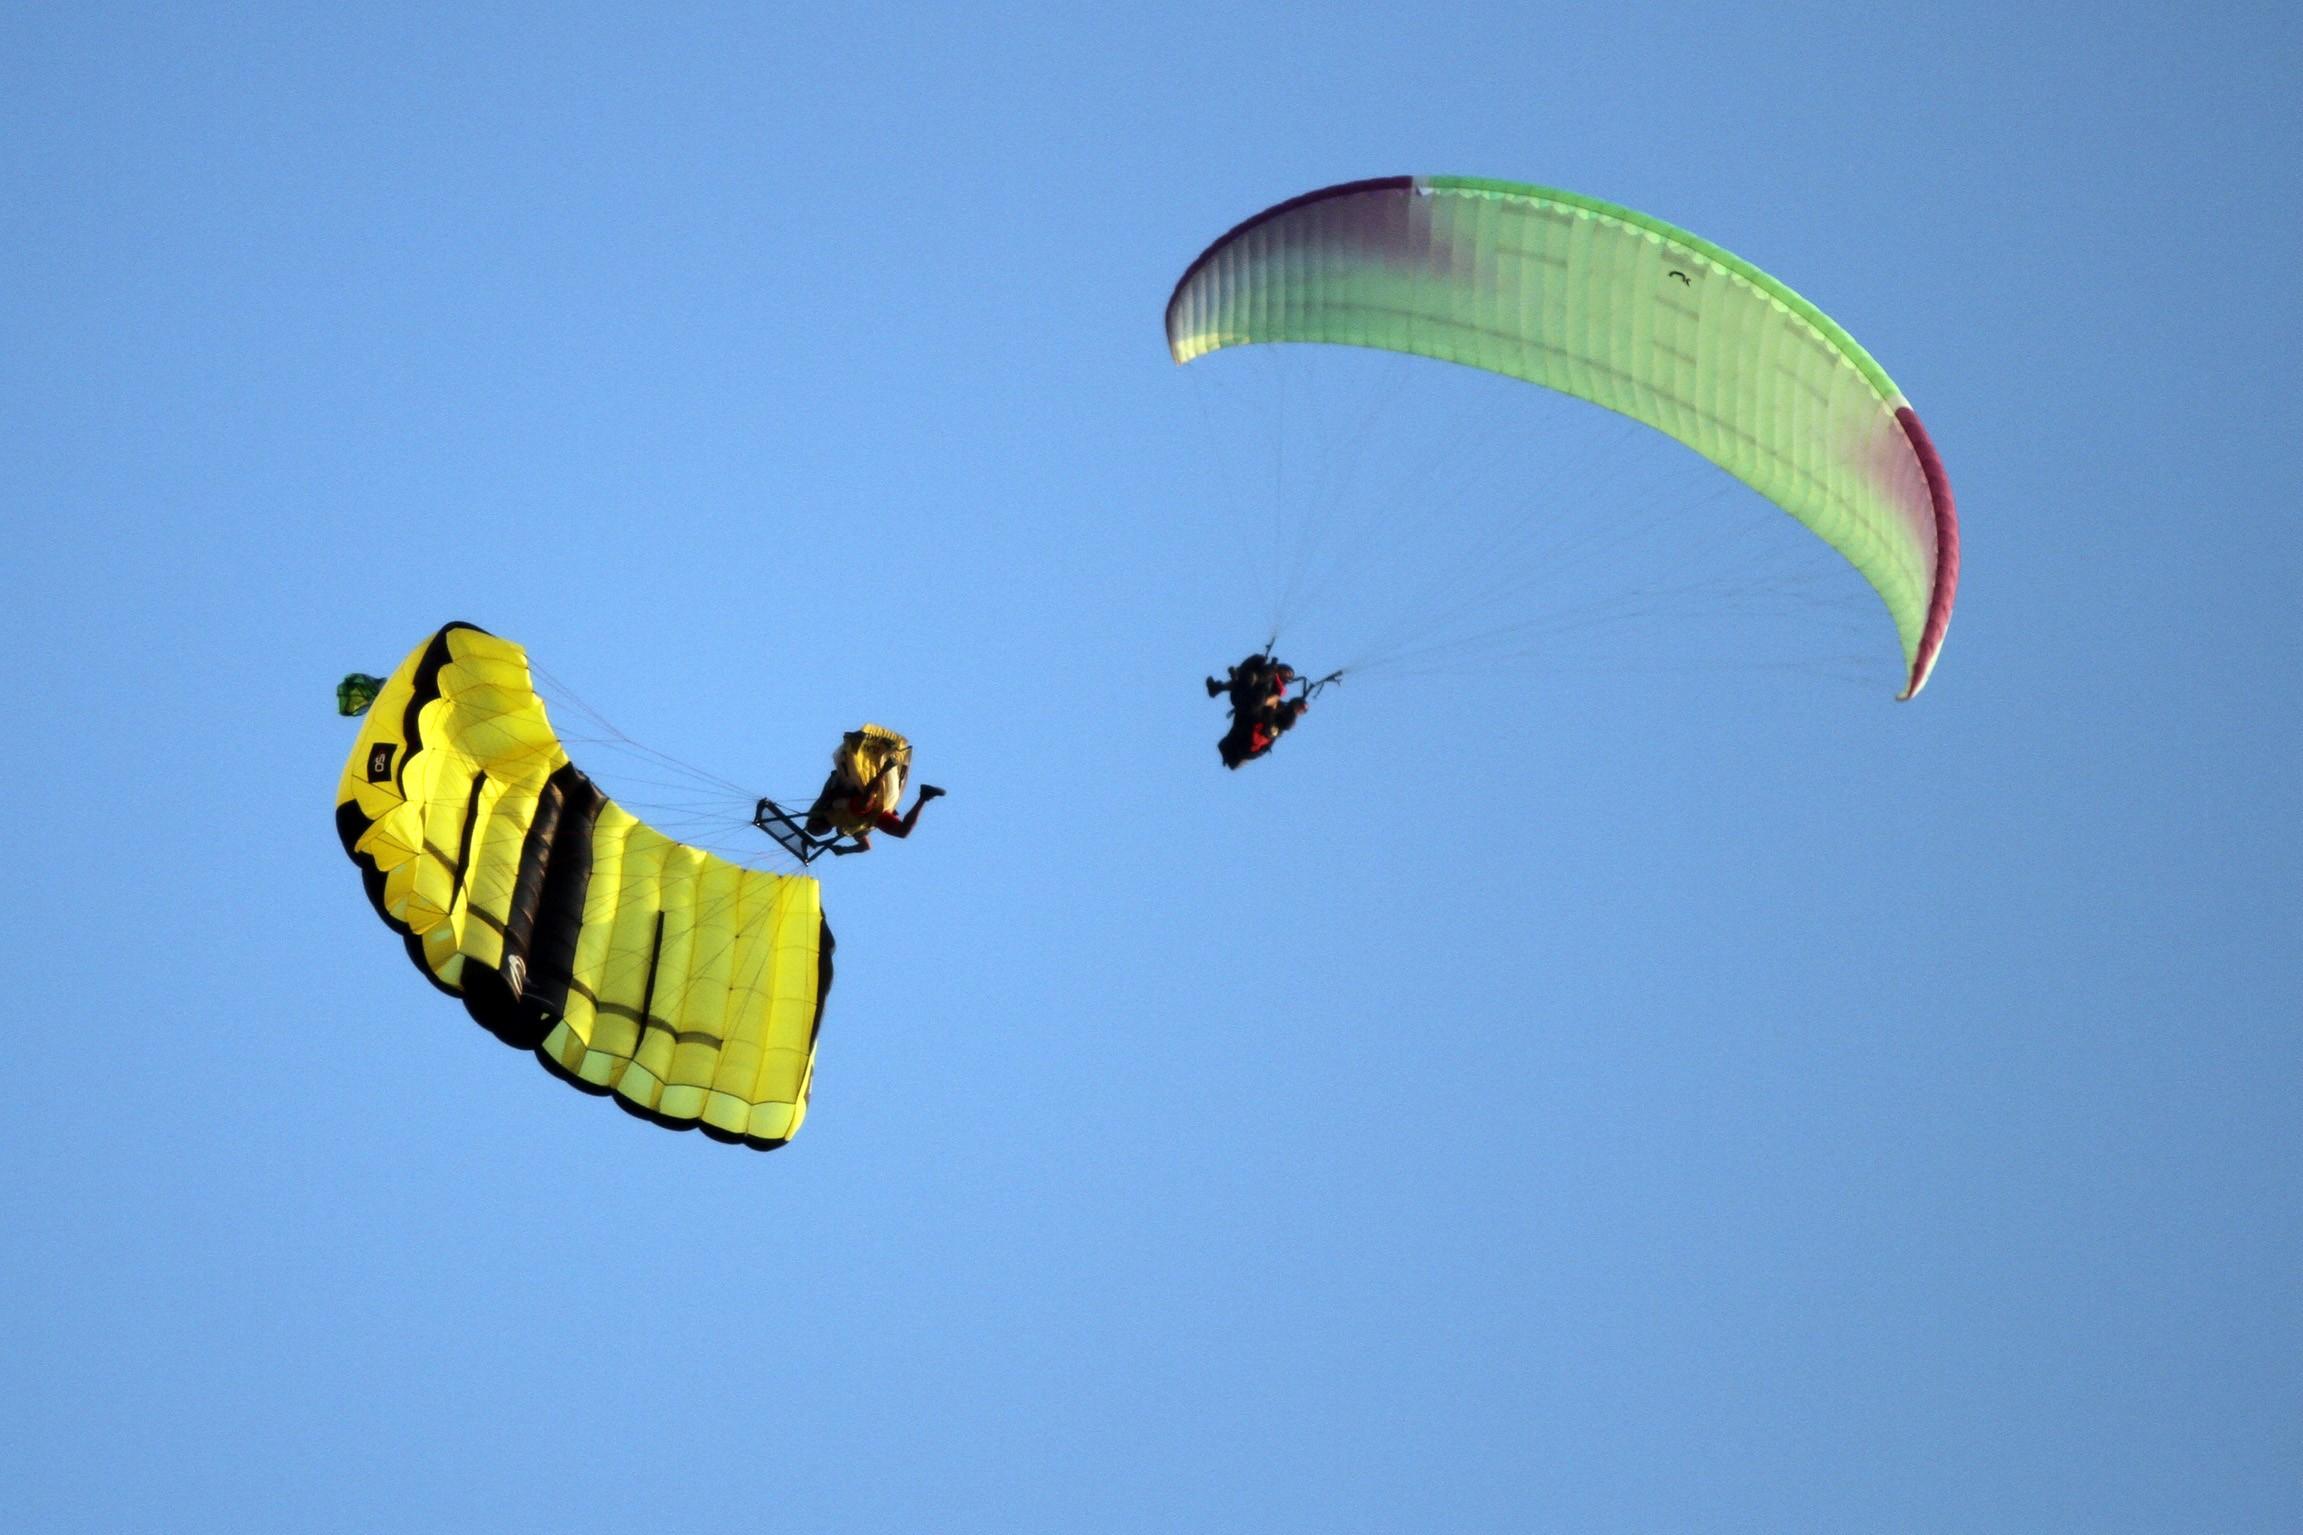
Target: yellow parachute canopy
{"x":689,"y":987}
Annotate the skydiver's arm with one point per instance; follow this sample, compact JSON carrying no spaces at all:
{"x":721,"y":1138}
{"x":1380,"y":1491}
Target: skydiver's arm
{"x":896,"y":826}
{"x":903,"y":828}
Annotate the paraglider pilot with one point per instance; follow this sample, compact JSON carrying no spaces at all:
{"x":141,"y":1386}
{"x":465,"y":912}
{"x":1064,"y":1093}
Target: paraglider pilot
{"x":1261,"y":711}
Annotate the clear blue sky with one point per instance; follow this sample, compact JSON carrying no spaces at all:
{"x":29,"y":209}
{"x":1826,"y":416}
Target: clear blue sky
{"x":1578,"y":1100}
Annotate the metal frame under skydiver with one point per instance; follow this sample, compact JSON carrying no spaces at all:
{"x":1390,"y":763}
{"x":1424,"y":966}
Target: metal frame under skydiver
{"x":1261,"y":711}
{"x":859,"y":797}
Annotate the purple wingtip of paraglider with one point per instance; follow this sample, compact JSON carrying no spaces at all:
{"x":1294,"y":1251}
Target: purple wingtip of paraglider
{"x":1946,"y":549}
{"x":1277,"y":210}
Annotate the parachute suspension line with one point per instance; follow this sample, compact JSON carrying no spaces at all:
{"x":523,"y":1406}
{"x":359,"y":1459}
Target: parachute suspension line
{"x":1534,"y":538}
{"x":1279,"y":506}
{"x":1226,"y":493}
{"x":1748,"y":562}
{"x":1499,"y":503}
{"x":1458,"y":615}
{"x":1253,"y":492}
{"x":1499,"y":519}
{"x":1721,"y":597}
{"x":708,"y":809}
{"x":1332,"y":540}
{"x":1473,"y":463}
{"x":601,"y":722}
{"x":699,"y":821}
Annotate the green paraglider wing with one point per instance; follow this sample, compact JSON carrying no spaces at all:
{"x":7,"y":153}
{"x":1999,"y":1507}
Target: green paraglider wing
{"x":1620,"y":309}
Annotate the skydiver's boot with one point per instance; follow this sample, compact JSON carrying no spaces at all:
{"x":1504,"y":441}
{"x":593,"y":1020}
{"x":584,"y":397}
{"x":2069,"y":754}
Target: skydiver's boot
{"x":929,"y":791}
{"x":1214,"y":688}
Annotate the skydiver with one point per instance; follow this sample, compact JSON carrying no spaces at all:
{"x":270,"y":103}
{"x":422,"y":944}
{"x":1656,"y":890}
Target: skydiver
{"x":854,"y":809}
